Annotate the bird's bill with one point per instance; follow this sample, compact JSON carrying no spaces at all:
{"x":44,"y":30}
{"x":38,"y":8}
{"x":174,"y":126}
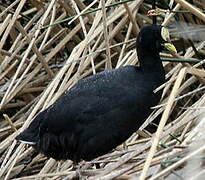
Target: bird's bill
{"x":170,"y":47}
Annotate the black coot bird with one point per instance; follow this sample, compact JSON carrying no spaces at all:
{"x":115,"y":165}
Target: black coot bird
{"x":101,"y":111}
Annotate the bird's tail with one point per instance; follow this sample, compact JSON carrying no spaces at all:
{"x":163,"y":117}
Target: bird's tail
{"x":31,"y":134}
{"x":27,"y":137}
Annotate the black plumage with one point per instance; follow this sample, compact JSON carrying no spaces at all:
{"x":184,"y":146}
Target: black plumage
{"x":103,"y":110}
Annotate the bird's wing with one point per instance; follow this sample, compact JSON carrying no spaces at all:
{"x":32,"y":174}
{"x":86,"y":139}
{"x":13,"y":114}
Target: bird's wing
{"x":107,"y":131}
{"x":65,"y":113}
{"x":93,"y":97}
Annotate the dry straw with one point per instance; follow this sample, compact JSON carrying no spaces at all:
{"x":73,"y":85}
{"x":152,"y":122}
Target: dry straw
{"x":47,"y":46}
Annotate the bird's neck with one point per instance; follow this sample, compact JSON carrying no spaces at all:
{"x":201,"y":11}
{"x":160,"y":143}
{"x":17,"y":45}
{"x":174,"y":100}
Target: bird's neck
{"x":150,"y":62}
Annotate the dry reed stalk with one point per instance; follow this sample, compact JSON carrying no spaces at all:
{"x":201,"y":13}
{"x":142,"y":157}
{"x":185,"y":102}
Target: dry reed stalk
{"x":49,"y":56}
{"x":135,"y":26}
{"x":195,"y":130}
{"x":12,"y":159}
{"x":10,"y":91}
{"x":191,"y":8}
{"x":9,"y":121}
{"x":8,"y":8}
{"x":84,"y":10}
{"x":72,"y":54}
{"x":163,"y":120}
{"x":20,"y":6}
{"x":108,"y":64}
{"x":8,"y":70}
{"x":171,"y":15}
{"x":197,"y":176}
{"x":5,"y":24}
{"x":35,"y":49}
{"x":18,"y":152}
{"x":10,"y":54}
{"x":124,"y":45}
{"x":48,"y":32}
{"x":178,"y":163}
{"x":8,"y":154}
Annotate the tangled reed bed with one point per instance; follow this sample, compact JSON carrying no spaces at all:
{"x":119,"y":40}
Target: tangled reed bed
{"x":47,"y":46}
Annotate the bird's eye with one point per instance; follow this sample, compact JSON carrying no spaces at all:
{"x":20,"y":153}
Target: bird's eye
{"x":165,"y":34}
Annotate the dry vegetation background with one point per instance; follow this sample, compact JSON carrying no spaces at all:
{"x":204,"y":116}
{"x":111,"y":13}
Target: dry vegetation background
{"x":47,"y":46}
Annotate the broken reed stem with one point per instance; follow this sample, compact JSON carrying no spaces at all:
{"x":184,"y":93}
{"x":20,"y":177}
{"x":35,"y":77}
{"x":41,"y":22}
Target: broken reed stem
{"x":35,"y":49}
{"x":9,"y":121}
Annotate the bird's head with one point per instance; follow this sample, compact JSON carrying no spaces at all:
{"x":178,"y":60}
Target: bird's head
{"x":154,"y":39}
